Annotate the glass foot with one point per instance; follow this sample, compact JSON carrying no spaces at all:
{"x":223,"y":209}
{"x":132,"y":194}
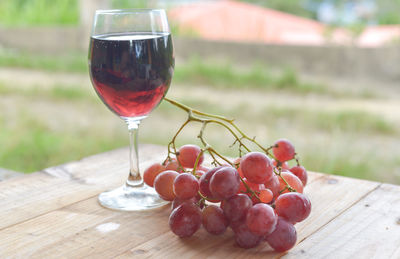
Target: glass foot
{"x":131,"y":198}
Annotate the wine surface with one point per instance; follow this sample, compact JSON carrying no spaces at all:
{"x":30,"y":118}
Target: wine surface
{"x":131,"y":73}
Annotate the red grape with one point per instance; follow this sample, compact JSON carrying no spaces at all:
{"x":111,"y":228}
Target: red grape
{"x":214,"y":220}
{"x":283,"y":150}
{"x":283,"y":237}
{"x":244,"y":237}
{"x":164,"y":184}
{"x":187,"y":155}
{"x":292,"y":180}
{"x":261,"y":219}
{"x":274,"y":185}
{"x":235,"y":208}
{"x":266,"y":196}
{"x":253,"y":186}
{"x":173,"y":165}
{"x":256,"y":167}
{"x":224,"y":183}
{"x":151,"y":173}
{"x":205,"y":184}
{"x":293,"y":206}
{"x":185,"y":220}
{"x":186,"y":186}
{"x":284,"y":165}
{"x":300,"y":172}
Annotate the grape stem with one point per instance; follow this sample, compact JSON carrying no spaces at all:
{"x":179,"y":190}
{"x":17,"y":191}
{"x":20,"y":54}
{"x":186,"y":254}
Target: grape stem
{"x":228,"y":124}
{"x":249,"y":190}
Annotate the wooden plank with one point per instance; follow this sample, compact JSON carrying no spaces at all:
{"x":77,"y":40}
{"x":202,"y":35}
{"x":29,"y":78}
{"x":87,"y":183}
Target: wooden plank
{"x":82,"y":230}
{"x":23,"y":198}
{"x":369,"y":229}
{"x":76,"y":231}
{"x":330,"y":196}
{"x":6,"y":174}
{"x":55,"y":213}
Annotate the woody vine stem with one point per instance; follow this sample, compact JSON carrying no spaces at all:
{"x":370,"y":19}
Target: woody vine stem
{"x":240,"y":138}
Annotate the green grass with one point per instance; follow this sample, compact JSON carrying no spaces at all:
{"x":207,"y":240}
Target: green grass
{"x":346,"y":120}
{"x":336,"y":143}
{"x":30,"y":145}
{"x":224,"y":75}
{"x":66,"y":92}
{"x":39,"y":12}
{"x":364,"y":166}
{"x":71,"y":62}
{"x":219,"y":74}
{"x":319,"y":120}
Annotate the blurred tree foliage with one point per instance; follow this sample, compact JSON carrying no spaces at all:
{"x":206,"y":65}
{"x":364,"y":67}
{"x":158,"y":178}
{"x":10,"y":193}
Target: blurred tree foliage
{"x":387,"y":11}
{"x":124,"y":4}
{"x":39,"y":12}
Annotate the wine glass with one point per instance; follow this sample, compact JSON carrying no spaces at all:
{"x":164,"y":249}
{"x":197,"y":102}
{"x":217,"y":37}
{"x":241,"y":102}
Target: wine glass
{"x":131,"y":64}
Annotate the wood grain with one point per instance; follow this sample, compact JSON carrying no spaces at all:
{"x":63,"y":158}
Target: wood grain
{"x":74,"y":231}
{"x":26,"y":197}
{"x":55,"y":214}
{"x":369,"y":229}
{"x":330,"y":196}
{"x":82,"y":230}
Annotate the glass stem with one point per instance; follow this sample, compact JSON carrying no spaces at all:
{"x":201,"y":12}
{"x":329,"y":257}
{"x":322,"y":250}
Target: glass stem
{"x":134,"y":179}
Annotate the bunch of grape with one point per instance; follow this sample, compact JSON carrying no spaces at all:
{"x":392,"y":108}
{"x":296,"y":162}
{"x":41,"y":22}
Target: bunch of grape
{"x":259,"y":198}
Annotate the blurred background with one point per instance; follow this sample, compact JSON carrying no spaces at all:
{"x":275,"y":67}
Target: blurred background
{"x":323,"y":73}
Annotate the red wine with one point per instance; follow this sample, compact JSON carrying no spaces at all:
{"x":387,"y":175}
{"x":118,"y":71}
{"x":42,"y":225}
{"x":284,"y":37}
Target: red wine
{"x":131,"y":72}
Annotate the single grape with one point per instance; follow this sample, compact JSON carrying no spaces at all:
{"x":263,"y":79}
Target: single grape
{"x":235,"y":208}
{"x":293,"y":206}
{"x":253,"y":186}
{"x":256,"y":167}
{"x":205,"y":184}
{"x":266,"y":196}
{"x":187,"y":155}
{"x":261,"y":219}
{"x":244,"y":237}
{"x":164,"y":183}
{"x":214,"y":220}
{"x":151,"y":173}
{"x":185,"y":220}
{"x":224,"y":183}
{"x":173,"y":165}
{"x":283,"y":237}
{"x":284,"y":165}
{"x":301,"y":173}
{"x":186,"y":186}
{"x":292,"y":180}
{"x":274,"y":185}
{"x":283,"y":150}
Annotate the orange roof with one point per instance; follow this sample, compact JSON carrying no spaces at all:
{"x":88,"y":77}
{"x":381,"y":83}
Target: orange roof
{"x":238,"y":21}
{"x":374,"y":36}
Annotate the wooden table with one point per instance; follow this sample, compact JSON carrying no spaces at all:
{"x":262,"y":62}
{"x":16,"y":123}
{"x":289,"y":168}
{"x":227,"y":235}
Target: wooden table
{"x":54,"y":214}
